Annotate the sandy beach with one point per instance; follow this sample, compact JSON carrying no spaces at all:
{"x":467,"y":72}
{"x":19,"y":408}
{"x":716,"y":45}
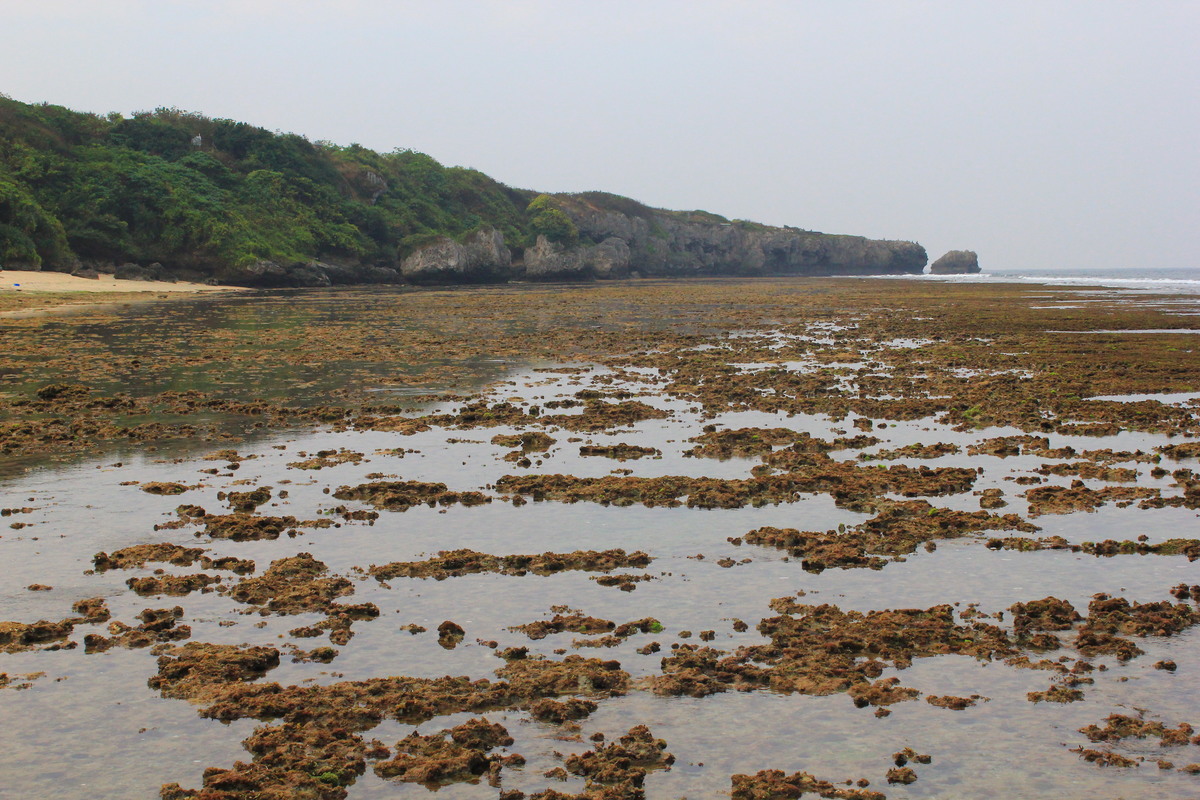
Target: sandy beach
{"x":27,"y":281}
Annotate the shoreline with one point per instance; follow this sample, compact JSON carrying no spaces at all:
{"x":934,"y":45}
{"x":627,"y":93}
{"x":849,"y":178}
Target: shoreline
{"x":19,"y":289}
{"x":33,"y":294}
{"x":36,"y":281}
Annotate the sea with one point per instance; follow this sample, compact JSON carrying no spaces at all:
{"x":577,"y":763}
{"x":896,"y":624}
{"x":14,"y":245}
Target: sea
{"x":1177,"y":280}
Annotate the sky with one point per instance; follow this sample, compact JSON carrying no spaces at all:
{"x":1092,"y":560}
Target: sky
{"x":1041,"y":134}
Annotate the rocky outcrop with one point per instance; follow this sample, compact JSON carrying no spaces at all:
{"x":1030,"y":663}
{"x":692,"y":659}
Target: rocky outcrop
{"x":668,"y":243}
{"x":260,"y":273}
{"x":550,"y":260}
{"x":310,"y":274}
{"x":481,"y":256}
{"x":138,"y":272}
{"x":956,"y":262}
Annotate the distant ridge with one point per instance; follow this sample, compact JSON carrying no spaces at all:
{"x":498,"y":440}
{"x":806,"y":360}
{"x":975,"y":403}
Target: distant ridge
{"x":170,"y":194}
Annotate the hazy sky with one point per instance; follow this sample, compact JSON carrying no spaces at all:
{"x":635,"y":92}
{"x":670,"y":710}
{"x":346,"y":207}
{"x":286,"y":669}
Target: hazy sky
{"x":1041,"y":134}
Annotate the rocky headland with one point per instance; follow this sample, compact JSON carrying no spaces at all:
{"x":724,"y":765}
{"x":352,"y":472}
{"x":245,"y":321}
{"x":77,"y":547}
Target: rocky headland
{"x":171,"y":196}
{"x":608,"y":236}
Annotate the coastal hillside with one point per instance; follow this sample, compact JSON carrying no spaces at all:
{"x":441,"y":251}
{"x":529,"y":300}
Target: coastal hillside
{"x":169,"y":194}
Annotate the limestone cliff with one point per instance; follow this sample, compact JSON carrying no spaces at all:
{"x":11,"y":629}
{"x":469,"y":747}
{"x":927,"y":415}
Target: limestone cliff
{"x":481,"y":256}
{"x":615,"y":237}
{"x":608,"y":259}
{"x":676,"y":243}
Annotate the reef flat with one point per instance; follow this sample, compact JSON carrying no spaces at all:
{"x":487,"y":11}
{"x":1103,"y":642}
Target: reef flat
{"x":853,"y":538}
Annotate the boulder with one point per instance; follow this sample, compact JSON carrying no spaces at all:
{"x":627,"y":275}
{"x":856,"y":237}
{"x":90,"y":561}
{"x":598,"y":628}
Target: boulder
{"x":307,"y":275}
{"x":381,"y":275}
{"x":161,"y":273}
{"x":130,"y":271}
{"x":956,"y":262}
{"x":260,"y":273}
{"x":349,"y":274}
{"x":99,"y":267}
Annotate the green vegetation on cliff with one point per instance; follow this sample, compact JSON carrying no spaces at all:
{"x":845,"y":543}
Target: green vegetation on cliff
{"x":225,"y":200}
{"x":205,"y":195}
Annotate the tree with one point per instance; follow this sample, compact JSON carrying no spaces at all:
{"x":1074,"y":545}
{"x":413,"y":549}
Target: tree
{"x":552,"y":222}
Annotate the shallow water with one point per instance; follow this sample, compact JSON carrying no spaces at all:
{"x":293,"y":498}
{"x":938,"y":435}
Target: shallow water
{"x":92,"y":728}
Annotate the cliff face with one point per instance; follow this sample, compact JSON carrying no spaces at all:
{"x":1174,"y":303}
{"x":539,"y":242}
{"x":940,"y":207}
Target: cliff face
{"x":614,"y":237}
{"x":481,"y":256}
{"x":552,"y":260}
{"x":683,"y":244}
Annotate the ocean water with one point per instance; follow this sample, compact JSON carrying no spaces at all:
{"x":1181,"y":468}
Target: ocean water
{"x":1179,"y":280}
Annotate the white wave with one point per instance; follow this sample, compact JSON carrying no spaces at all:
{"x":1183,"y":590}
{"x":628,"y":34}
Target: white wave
{"x":1161,"y":285}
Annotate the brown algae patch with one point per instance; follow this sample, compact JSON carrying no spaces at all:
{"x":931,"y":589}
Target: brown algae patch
{"x":774,"y":783}
{"x":898,"y":529}
{"x":847,"y":482}
{"x":403,"y":495}
{"x":620,"y":452}
{"x":334,"y":716}
{"x":323,"y":459}
{"x":753,"y":442}
{"x":157,"y":625}
{"x":1120,"y":727}
{"x":240,"y":527}
{"x":298,"y":585}
{"x":455,"y":563}
{"x":823,"y":650}
{"x":454,"y":755}
{"x":1078,"y":497}
{"x":142,"y":554}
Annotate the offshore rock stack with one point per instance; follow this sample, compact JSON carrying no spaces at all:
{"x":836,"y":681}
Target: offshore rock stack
{"x":956,"y":262}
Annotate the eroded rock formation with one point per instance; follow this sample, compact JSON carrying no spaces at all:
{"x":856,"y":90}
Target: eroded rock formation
{"x":956,"y":262}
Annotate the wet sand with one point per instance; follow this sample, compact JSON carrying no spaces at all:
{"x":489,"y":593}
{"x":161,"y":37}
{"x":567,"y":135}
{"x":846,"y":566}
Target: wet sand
{"x":28,"y":293}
